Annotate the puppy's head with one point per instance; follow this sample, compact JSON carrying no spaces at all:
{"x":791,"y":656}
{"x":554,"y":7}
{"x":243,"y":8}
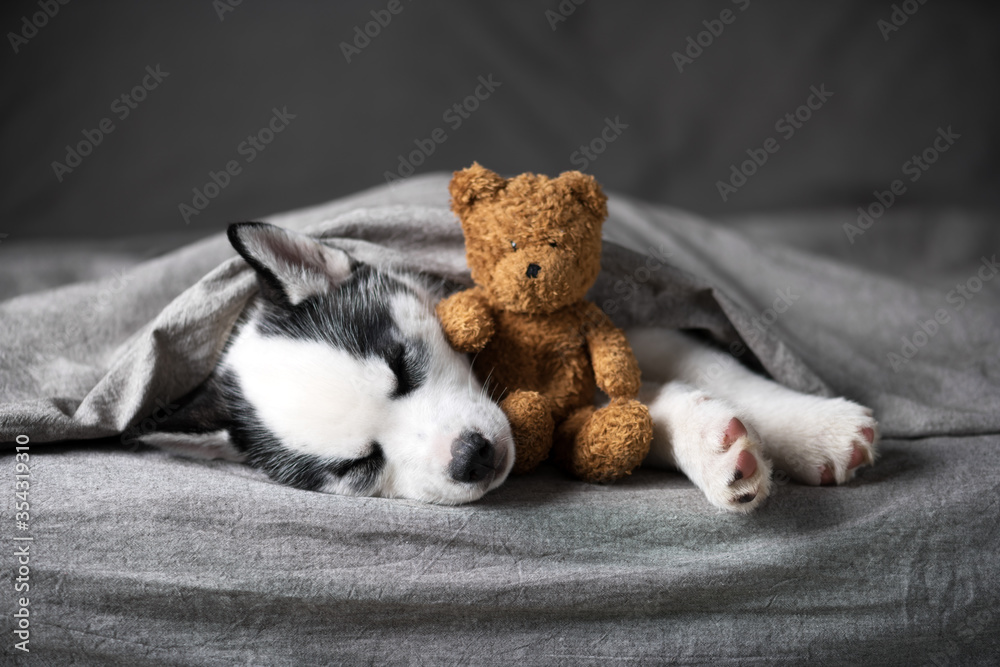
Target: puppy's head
{"x":341,"y":380}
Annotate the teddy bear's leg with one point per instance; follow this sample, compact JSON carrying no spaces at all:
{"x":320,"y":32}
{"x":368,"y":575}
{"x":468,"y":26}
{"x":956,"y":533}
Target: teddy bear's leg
{"x":605,"y":444}
{"x":530,"y":415}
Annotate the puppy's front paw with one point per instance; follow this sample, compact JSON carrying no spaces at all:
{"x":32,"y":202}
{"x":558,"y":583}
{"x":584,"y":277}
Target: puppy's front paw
{"x":830,"y":440}
{"x":736,"y":474}
{"x":721,"y":453}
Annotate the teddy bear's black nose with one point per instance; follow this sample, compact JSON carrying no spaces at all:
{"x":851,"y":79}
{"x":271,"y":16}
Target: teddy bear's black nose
{"x":533,"y":270}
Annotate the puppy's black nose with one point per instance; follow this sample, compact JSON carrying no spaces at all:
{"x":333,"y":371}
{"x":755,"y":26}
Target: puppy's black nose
{"x":533,"y":270}
{"x":471,"y":458}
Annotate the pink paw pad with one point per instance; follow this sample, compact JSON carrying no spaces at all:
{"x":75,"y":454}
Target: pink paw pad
{"x":734,"y":431}
{"x":869,"y":434}
{"x":857,"y":458}
{"x":826,"y":475}
{"x":746,"y":465}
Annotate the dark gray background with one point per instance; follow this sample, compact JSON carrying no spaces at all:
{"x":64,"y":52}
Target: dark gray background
{"x":606,"y":60}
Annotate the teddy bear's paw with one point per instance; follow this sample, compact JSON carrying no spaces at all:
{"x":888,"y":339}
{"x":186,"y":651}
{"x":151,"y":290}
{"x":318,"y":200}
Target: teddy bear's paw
{"x":819,"y":440}
{"x":607,"y":443}
{"x":466,"y":321}
{"x":717,"y":450}
{"x":530,"y":416}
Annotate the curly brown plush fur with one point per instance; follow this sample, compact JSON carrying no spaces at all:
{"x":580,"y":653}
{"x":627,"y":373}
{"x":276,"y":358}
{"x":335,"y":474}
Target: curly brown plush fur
{"x":533,"y":244}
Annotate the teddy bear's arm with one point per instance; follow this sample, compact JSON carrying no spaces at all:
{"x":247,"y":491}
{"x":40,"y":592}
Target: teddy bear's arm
{"x":615,"y":367}
{"x":467,"y":320}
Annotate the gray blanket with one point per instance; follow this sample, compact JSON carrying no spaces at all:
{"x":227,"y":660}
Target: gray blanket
{"x":88,"y":360}
{"x":140,"y":557}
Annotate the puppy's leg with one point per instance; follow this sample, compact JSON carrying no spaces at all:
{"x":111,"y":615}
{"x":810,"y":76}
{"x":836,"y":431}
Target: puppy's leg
{"x":816,"y":440}
{"x":215,"y":445}
{"x":704,"y":438}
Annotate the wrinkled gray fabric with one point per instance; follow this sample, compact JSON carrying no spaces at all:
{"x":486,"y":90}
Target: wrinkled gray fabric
{"x":143,"y":558}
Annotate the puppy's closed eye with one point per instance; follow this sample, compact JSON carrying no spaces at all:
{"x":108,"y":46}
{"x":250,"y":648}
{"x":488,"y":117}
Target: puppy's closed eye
{"x":407,"y":366}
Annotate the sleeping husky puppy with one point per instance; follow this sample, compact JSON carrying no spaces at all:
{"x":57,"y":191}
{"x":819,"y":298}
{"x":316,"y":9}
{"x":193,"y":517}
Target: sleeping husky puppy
{"x":338,"y":378}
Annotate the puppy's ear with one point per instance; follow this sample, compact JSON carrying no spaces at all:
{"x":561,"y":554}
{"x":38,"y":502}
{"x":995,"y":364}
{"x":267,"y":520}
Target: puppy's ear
{"x":291,"y":267}
{"x":587,"y":191}
{"x":476,"y":183}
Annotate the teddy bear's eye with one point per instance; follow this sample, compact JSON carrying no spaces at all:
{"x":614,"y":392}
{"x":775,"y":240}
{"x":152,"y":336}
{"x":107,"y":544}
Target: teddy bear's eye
{"x":553,"y":244}
{"x":513,"y":244}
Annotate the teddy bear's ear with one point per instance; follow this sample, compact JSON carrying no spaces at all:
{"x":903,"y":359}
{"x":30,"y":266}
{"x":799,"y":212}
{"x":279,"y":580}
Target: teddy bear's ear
{"x":473,"y":184}
{"x":587,"y":190}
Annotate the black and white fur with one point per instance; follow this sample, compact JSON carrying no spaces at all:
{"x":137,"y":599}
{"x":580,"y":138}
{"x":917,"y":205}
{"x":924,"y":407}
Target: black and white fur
{"x":339,"y":379}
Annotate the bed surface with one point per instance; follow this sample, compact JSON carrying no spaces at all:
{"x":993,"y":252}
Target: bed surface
{"x":145,"y":557}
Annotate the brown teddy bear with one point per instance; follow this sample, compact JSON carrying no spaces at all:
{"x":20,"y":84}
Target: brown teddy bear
{"x":533,"y":244}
